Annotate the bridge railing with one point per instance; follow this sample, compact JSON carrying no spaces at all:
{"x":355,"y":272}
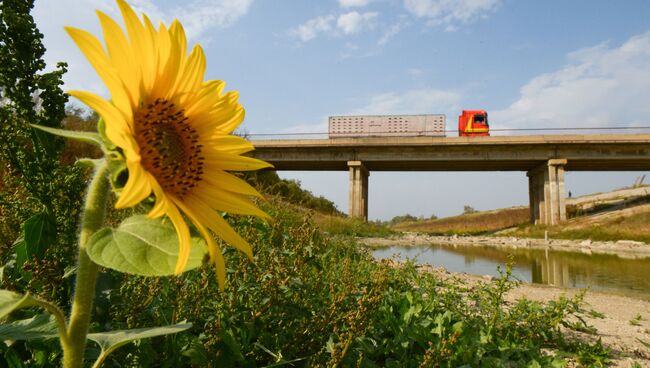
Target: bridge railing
{"x":454,"y":133}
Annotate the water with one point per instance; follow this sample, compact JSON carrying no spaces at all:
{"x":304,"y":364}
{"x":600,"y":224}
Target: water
{"x":606,"y":273}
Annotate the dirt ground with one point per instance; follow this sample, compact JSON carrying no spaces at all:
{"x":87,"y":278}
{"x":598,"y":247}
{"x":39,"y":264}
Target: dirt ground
{"x":623,"y":327}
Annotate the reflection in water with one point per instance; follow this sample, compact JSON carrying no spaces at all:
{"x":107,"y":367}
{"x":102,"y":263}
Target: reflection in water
{"x":566,"y":269}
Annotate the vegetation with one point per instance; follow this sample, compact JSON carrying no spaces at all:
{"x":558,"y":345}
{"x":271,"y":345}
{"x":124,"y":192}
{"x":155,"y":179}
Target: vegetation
{"x":611,"y":228}
{"x":341,"y":307}
{"x":473,"y":223}
{"x":290,"y":190}
{"x":38,"y":194}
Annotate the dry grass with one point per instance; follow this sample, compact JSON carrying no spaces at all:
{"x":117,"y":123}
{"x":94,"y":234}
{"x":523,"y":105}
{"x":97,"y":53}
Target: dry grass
{"x":475,"y":223}
{"x":628,"y":224}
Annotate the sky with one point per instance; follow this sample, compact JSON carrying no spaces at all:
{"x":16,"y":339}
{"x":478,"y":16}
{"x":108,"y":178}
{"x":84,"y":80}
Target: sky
{"x":530,"y":64}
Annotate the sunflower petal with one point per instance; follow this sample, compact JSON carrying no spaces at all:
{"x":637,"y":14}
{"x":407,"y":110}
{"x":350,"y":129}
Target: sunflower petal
{"x":121,"y":55}
{"x":137,"y":188}
{"x":117,"y":128}
{"x":184,"y":240}
{"x":228,"y":143}
{"x":210,"y":218}
{"x":227,"y":201}
{"x":162,"y":201}
{"x":94,"y":52}
{"x":229,"y":182}
{"x":213,"y":248}
{"x":229,"y":162}
{"x":192,"y":72}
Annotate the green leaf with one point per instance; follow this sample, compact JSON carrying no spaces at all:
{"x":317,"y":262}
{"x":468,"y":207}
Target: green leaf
{"x":41,"y":326}
{"x":142,"y":246}
{"x":40,"y":232}
{"x":87,"y":137}
{"x":10,"y":301}
{"x":109,"y":341}
{"x":101,"y":127}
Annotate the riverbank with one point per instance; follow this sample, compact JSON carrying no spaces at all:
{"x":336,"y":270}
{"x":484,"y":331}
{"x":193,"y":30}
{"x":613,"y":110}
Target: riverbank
{"x":623,"y":323}
{"x":622,"y":248}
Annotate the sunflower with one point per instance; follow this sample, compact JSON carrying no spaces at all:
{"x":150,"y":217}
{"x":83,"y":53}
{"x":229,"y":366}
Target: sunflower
{"x":173,"y":128}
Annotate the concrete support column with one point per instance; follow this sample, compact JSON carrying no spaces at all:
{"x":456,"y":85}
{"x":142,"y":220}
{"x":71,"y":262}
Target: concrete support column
{"x":546,"y":193}
{"x":358,"y":203}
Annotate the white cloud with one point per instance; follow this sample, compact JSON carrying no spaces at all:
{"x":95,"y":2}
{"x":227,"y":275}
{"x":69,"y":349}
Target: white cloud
{"x":354,"y":3}
{"x":449,"y":13}
{"x":419,"y":101}
{"x":198,"y":17}
{"x":390,"y":33}
{"x":354,"y":22}
{"x":313,"y":27}
{"x":600,"y":86}
{"x":348,"y":23}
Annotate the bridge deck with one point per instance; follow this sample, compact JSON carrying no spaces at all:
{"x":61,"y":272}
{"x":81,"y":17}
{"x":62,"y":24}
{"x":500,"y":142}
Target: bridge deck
{"x":611,"y":152}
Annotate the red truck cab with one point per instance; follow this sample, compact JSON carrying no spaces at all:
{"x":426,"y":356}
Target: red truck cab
{"x":473,"y":123}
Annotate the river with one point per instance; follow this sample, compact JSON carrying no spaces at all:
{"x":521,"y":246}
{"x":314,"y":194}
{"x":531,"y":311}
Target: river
{"x":599,"y":272}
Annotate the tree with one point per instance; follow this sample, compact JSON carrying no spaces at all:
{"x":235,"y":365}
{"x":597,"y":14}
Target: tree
{"x":468,"y":210}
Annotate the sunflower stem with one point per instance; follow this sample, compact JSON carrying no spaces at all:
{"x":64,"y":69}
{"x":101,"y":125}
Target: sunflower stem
{"x":82,"y":303}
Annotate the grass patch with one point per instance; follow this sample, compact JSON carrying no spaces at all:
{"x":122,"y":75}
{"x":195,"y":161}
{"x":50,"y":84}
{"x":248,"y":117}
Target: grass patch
{"x":634,"y":227}
{"x":470,"y":224}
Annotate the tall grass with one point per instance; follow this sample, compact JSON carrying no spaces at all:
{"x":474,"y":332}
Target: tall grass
{"x":470,"y":224}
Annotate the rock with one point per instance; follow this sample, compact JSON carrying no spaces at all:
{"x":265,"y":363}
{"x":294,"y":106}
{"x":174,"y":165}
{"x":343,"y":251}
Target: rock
{"x":629,"y":243}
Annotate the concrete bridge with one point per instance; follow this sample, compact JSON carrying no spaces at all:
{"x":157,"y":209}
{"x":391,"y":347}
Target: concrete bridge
{"x":544,"y":159}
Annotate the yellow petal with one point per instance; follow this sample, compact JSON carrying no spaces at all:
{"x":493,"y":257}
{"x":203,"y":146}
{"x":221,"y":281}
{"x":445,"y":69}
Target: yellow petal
{"x":94,"y":52}
{"x":201,"y":102}
{"x":229,"y":182}
{"x":140,"y":44}
{"x":162,"y":201}
{"x":120,"y":52}
{"x":117,"y":128}
{"x":184,"y":240}
{"x":213,"y":248}
{"x":151,"y":75}
{"x":229,"y":162}
{"x":210,"y":218}
{"x":178,"y":34}
{"x":192,"y":72}
{"x":227,"y":143}
{"x":137,"y":188}
{"x":226,"y":201}
{"x":223,"y":120}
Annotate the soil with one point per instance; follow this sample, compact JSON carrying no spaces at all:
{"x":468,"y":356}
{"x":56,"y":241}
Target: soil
{"x":625,"y":322}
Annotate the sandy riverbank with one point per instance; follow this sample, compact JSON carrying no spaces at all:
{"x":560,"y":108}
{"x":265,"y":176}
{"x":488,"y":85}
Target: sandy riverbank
{"x":625,"y":320}
{"x":622,"y":248}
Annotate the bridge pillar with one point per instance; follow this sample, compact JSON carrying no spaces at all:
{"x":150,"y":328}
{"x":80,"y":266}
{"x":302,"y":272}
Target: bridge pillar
{"x":546,"y":193}
{"x":358,"y":203}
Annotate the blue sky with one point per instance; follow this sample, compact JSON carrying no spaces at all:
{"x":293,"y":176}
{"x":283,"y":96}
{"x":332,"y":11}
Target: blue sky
{"x":545,"y":63}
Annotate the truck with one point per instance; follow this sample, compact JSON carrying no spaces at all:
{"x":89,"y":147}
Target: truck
{"x":473,"y":123}
{"x":470,"y":123}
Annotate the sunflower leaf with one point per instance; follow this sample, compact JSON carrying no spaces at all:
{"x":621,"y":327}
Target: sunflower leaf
{"x":10,"y":301}
{"x":109,"y":341}
{"x":142,"y":246}
{"x":87,"y":137}
{"x":41,"y":326}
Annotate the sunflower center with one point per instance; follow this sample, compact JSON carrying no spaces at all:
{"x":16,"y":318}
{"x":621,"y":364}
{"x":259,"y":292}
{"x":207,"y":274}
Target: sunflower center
{"x":169,"y":146}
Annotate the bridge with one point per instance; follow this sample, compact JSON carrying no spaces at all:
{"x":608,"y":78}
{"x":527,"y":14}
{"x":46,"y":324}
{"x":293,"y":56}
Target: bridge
{"x":544,"y":159}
